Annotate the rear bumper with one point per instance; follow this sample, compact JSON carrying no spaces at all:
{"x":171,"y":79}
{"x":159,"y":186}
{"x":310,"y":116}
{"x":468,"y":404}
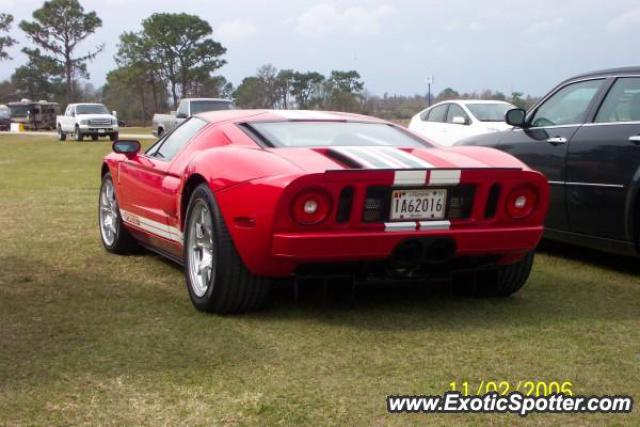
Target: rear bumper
{"x":291,"y":249}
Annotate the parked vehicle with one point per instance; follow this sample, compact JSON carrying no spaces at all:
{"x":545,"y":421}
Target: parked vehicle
{"x":163,"y":123}
{"x":87,"y":119}
{"x":448,"y":122}
{"x":584,"y":136}
{"x":34,"y":115}
{"x":5,"y":117}
{"x":240,"y":197}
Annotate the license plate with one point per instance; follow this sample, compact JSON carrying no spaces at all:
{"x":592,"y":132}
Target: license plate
{"x":101,"y":130}
{"x":418,"y":204}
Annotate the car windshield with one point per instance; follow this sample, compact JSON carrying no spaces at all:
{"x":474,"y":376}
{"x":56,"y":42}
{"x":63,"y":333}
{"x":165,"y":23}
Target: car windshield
{"x":91,"y":109}
{"x":202,"y":106}
{"x":334,"y":134}
{"x":486,"y":112}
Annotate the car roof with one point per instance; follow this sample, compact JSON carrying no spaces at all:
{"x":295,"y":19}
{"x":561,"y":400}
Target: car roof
{"x":635,"y":70}
{"x":208,"y":99}
{"x":283,"y":116}
{"x":470,"y":101}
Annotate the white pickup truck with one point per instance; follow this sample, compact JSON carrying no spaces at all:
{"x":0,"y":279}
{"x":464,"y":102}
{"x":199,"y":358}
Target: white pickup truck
{"x":187,"y":107}
{"x":86,"y":119}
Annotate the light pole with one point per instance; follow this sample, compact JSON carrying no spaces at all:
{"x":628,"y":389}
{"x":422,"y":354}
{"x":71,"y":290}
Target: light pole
{"x":429,"y":80}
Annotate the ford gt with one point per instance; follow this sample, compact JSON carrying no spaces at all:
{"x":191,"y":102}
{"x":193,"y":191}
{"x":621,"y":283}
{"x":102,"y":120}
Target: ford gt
{"x":240,"y":198}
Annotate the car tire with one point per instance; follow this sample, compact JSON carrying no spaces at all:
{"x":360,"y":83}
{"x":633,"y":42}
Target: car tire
{"x":114,"y":136}
{"x":160,"y":132}
{"x":227,"y":286}
{"x":503,"y":282}
{"x":61,"y":135}
{"x":77,"y":135}
{"x":94,"y":137}
{"x":114,"y":236}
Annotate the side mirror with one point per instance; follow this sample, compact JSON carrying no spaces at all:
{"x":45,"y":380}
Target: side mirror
{"x":459,"y":120}
{"x":128,"y":147}
{"x":516,"y":117}
{"x":181,"y":116}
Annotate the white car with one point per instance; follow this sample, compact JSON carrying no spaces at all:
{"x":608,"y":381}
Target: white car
{"x":448,"y":122}
{"x":87,"y":119}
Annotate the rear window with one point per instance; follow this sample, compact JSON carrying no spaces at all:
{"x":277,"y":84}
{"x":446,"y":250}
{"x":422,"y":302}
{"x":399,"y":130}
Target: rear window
{"x":334,"y":134}
{"x":203,"y":106}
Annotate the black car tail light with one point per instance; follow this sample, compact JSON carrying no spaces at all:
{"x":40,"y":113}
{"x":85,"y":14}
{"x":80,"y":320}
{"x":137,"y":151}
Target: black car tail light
{"x":492,"y":201}
{"x":460,"y":201}
{"x":376,"y":204}
{"x":344,"y":205}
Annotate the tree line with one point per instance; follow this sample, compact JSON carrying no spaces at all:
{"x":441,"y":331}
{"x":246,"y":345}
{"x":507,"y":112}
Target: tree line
{"x":173,"y":55}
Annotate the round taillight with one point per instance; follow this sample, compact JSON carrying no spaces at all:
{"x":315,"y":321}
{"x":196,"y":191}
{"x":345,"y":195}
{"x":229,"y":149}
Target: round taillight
{"x":521,"y":202}
{"x":311,"y":207}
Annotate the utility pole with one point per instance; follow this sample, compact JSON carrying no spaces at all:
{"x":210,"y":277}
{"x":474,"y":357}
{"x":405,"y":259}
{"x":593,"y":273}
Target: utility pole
{"x":429,"y":80}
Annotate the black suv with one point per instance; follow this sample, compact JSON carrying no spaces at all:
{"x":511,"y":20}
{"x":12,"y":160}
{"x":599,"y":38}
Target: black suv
{"x":584,"y":136}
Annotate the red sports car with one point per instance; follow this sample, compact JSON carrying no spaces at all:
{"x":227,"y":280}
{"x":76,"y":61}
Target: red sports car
{"x":242,"y":197}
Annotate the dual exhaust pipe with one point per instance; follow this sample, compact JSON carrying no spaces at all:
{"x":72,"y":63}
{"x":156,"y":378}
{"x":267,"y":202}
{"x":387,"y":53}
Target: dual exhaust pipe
{"x":418,"y":252}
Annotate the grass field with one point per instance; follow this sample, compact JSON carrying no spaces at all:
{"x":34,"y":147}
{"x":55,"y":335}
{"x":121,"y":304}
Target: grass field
{"x":136,"y":130}
{"x":92,"y":338}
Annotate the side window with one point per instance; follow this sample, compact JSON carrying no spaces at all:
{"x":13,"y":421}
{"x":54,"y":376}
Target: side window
{"x":456,"y":115}
{"x":438,"y":114}
{"x":172,"y":143}
{"x":182,"y":110}
{"x":622,"y":103}
{"x":568,"y":106}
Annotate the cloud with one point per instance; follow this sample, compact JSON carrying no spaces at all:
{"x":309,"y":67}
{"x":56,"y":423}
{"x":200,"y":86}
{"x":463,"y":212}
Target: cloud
{"x":626,"y":21}
{"x":236,"y":30}
{"x":323,"y":19}
{"x":544,"y":26}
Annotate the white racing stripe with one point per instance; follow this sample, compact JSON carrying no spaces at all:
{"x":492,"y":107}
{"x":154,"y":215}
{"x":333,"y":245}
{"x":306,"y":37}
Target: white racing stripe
{"x":445,"y":177}
{"x":382,"y":158}
{"x":400,"y":226}
{"x":153,"y":227}
{"x":435,"y":225}
{"x":408,"y":178}
{"x":413,"y":161}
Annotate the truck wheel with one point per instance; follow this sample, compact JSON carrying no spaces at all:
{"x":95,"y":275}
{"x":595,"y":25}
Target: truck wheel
{"x":77,"y":135}
{"x":160,"y":132}
{"x":217,"y":279}
{"x":114,"y":136}
{"x":61,"y":135}
{"x":94,"y":137}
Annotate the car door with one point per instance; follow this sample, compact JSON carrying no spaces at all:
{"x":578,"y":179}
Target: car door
{"x":148,"y":190}
{"x":432,"y":125}
{"x":68,"y":120}
{"x":542,"y":143}
{"x":603,"y":163}
{"x":456,"y":126}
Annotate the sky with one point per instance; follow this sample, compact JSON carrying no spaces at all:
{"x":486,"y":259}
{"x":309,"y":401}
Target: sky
{"x":467,"y":45}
